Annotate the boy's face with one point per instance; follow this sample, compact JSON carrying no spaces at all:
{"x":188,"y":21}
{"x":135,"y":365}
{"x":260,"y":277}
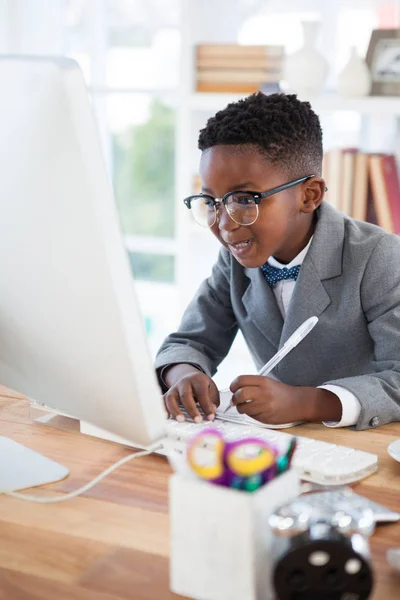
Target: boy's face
{"x":285,"y":221}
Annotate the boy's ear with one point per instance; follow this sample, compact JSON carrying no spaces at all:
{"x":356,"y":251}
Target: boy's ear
{"x":313,"y":194}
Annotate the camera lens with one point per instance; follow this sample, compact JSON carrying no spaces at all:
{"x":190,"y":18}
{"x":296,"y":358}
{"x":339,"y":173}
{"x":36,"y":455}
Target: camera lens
{"x":296,"y":579}
{"x":333,"y":578}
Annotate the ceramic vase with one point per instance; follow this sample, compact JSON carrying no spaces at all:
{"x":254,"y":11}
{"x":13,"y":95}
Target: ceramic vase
{"x":306,"y":70}
{"x":355,"y":79}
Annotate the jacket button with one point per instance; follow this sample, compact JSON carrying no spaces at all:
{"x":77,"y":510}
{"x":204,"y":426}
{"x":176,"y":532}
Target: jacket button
{"x":374,"y":421}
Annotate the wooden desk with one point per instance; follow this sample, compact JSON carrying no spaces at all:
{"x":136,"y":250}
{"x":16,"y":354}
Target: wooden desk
{"x":113,"y":542}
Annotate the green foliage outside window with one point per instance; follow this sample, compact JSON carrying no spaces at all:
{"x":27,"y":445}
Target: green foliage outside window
{"x":144,"y":174}
{"x":152,"y":267}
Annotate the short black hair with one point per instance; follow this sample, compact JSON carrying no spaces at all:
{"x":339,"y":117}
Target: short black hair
{"x":285,"y":130}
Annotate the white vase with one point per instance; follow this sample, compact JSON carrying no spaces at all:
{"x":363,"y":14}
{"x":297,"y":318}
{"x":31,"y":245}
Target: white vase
{"x":355,"y":79}
{"x":306,"y":70}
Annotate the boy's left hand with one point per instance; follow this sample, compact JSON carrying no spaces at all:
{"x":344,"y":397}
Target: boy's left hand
{"x":271,"y":401}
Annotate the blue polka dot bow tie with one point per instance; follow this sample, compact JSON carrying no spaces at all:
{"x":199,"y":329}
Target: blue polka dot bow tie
{"x":273,"y":275}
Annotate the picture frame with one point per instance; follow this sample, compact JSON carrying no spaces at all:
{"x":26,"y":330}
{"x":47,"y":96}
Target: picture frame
{"x":383,"y":60}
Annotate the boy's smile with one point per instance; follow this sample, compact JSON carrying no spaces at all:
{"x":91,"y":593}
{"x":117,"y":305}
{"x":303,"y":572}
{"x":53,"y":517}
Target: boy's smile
{"x":285,"y":221}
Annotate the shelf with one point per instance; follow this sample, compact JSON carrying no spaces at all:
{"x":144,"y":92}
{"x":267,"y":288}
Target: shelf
{"x":368,"y":105}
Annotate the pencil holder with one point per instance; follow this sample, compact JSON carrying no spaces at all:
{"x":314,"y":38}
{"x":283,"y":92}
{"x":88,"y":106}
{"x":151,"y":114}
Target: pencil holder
{"x":220,"y":538}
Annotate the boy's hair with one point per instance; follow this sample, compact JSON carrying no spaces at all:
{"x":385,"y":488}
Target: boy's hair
{"x":286,"y":131}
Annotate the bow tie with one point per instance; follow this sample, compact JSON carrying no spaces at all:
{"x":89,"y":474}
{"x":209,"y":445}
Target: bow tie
{"x":273,"y":275}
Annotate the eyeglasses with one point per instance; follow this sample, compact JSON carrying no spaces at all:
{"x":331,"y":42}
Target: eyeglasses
{"x":241,"y":206}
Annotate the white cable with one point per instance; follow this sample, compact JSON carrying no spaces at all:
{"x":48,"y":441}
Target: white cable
{"x":88,"y":486}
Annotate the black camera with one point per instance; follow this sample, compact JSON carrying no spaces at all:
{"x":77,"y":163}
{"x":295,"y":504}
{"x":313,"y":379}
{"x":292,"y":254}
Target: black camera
{"x":319,"y":554}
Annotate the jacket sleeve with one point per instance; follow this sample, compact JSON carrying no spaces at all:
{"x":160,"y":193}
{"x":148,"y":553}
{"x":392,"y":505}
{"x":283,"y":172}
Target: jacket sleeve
{"x":379,"y":391}
{"x":208,"y":326}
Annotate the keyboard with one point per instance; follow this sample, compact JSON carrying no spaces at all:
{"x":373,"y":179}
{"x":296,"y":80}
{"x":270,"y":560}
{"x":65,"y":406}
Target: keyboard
{"x":315,"y":461}
{"x":327,"y":501}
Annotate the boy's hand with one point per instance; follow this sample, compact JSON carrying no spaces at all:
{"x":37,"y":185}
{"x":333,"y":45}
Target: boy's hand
{"x":274,"y":402}
{"x":192,"y":391}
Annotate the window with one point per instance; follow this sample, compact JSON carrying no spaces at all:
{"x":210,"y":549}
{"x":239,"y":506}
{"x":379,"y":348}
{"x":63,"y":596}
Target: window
{"x":128,"y":51}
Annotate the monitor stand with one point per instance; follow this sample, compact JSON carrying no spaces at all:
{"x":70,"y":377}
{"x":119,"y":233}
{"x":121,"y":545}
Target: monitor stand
{"x":43,"y":414}
{"x":25,"y":468}
{"x":46,"y":415}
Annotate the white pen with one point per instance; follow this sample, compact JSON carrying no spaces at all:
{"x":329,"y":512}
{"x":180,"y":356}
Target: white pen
{"x":291,"y":343}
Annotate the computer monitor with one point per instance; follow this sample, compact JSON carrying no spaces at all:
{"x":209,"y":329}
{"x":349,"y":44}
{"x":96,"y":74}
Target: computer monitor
{"x":71,"y":334}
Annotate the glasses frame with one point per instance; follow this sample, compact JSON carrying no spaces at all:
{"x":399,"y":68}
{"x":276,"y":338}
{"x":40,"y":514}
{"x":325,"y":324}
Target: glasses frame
{"x":258,"y":196}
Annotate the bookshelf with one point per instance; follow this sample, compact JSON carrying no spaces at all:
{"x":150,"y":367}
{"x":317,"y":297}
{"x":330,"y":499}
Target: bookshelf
{"x":196,"y":247}
{"x":372,"y":110}
{"x":196,"y":107}
{"x":368,"y":105}
{"x":201,"y":105}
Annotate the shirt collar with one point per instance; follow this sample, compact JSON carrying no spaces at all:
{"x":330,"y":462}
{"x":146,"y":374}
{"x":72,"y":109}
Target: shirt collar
{"x":296,"y":261}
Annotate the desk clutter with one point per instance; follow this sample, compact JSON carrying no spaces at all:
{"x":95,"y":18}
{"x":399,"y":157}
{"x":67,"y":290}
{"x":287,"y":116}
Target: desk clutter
{"x":220,"y":501}
{"x":240,"y":529}
{"x":246,"y":464}
{"x":322,"y":552}
{"x":316,"y":461}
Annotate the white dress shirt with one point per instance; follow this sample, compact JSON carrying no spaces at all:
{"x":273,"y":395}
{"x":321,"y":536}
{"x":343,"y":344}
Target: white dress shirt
{"x":283,"y":291}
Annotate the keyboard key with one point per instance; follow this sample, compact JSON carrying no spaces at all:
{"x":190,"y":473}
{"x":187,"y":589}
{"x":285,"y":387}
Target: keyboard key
{"x":316,"y":461}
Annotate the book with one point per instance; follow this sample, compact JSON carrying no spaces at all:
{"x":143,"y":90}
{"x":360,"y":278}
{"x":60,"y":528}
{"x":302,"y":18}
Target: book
{"x":236,"y":50}
{"x":389,"y":178}
{"x":243,"y":76}
{"x":225,"y":87}
{"x":392,"y":184}
{"x":334,"y":164}
{"x":371,"y":212}
{"x":233,"y":68}
{"x":384,"y":182}
{"x":347,"y":178}
{"x":238,"y":62}
{"x":360,"y":187}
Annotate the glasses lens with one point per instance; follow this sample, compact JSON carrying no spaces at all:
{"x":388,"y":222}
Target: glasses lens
{"x":242,"y":208}
{"x":203,"y":210}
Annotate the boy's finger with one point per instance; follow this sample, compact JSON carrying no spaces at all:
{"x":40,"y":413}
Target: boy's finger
{"x":243,"y":381}
{"x":203,"y":397}
{"x":214,"y":395}
{"x":245,"y":394}
{"x":208,"y":408}
{"x":166,"y":407}
{"x":172,"y":406}
{"x":250,"y":408}
{"x":189,"y":404}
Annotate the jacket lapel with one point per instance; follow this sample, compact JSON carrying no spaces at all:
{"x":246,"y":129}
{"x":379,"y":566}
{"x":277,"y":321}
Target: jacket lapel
{"x":323,"y":261}
{"x":262,"y":308}
{"x":309,"y":299}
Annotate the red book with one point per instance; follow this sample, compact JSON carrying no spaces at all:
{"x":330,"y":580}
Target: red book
{"x":392,"y":185}
{"x":371,"y":213}
{"x":360,"y":187}
{"x":386,"y":191}
{"x":347,"y":183}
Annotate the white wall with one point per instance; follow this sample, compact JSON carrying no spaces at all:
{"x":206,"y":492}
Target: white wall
{"x":34,"y":26}
{"x":3,"y":26}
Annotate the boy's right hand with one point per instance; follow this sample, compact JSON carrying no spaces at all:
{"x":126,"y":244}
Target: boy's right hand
{"x":193,"y":390}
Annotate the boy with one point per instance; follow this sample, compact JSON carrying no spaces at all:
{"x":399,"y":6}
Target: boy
{"x":286,"y":256}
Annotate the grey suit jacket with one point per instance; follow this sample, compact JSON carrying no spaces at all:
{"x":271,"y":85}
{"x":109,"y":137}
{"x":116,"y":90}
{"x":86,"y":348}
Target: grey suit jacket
{"x":350,"y":279}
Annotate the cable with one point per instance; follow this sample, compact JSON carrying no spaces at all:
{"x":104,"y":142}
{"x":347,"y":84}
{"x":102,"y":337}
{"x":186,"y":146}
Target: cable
{"x":87,"y":486}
